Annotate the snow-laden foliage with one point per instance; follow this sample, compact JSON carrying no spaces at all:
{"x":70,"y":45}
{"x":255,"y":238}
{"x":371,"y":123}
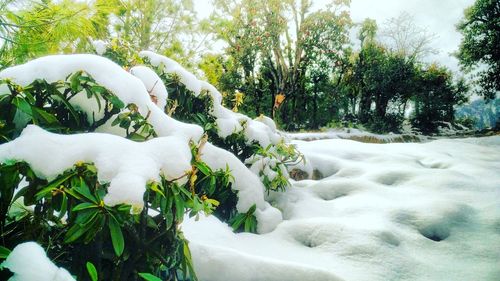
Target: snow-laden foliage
{"x":98,"y":191}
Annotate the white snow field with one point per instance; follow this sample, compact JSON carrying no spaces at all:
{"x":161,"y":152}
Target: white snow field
{"x":409,"y":211}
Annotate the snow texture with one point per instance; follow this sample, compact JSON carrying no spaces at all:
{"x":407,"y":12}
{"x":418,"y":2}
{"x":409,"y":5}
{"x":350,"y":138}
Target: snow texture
{"x":382,"y":212}
{"x":29,"y":262}
{"x":125,"y":164}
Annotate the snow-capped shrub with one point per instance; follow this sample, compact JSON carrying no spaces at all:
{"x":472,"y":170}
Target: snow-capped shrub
{"x":77,"y":215}
{"x":195,"y":101}
{"x":115,"y":202}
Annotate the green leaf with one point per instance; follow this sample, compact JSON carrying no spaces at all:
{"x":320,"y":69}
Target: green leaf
{"x":22,"y":105}
{"x":238,"y":221}
{"x":179,"y":207}
{"x":92,"y":271}
{"x":84,"y":190}
{"x":250,"y":224}
{"x":53,"y":185}
{"x":4,"y":252}
{"x":74,"y":233}
{"x":116,"y":236}
{"x":68,"y":106}
{"x":64,"y":206}
{"x":136,"y":137}
{"x":75,"y":81}
{"x":203,"y":168}
{"x":149,"y":277}
{"x":116,"y":102}
{"x":83,"y":206}
{"x":40,"y":116}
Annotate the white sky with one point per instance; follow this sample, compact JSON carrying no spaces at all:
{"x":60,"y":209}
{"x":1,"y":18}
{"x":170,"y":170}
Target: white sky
{"x":438,"y":16}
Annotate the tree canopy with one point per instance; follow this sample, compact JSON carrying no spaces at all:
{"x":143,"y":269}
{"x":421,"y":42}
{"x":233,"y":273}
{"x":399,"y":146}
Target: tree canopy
{"x":479,"y":49}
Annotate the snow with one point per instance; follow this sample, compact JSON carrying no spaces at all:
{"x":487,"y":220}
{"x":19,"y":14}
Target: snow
{"x":250,"y":188}
{"x":261,"y":130}
{"x":356,"y":134}
{"x":138,"y":163}
{"x":399,"y":211}
{"x":29,"y":262}
{"x":153,"y":83}
{"x":187,"y":78}
{"x":125,"y":164}
{"x":124,"y":85}
{"x":99,"y":46}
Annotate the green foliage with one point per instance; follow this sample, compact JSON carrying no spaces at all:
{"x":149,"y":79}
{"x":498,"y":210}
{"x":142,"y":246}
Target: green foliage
{"x":48,"y":27}
{"x":167,"y":26}
{"x":183,"y":105}
{"x":437,"y":93}
{"x":245,"y":222}
{"x":265,"y":59}
{"x":70,"y":219}
{"x":49,"y":105}
{"x":479,"y":47}
{"x":92,"y":271}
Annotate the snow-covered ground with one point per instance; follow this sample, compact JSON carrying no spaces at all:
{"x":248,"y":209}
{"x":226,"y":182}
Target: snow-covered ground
{"x":412,"y":211}
{"x":356,"y":134}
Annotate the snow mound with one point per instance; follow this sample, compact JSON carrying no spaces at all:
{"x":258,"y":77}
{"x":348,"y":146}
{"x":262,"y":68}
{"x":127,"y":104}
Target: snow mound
{"x":29,"y":262}
{"x":125,"y":164}
{"x":412,"y":211}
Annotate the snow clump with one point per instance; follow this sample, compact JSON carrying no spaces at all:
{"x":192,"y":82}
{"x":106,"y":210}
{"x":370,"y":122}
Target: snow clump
{"x":29,"y":262}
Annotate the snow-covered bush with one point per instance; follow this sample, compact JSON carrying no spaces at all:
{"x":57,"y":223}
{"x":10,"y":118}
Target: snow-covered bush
{"x":116,"y":201}
{"x":195,"y":101}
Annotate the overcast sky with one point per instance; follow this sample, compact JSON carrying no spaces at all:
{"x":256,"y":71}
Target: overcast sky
{"x":438,"y":16}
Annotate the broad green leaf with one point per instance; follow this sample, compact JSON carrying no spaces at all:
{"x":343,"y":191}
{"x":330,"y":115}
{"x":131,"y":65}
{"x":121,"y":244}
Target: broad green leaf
{"x":136,"y":137}
{"x":22,"y":105}
{"x":116,"y":102}
{"x":238,"y":221}
{"x":116,"y":236}
{"x":68,"y":106}
{"x":83,"y":189}
{"x":92,"y":271}
{"x":203,"y":168}
{"x":41,"y":115}
{"x":75,"y":232}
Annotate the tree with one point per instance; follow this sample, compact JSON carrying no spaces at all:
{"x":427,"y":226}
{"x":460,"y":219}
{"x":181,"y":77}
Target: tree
{"x":402,"y":35}
{"x":435,"y":98}
{"x":479,"y":49}
{"x":278,"y":44}
{"x":165,"y":26}
{"x":48,"y":27}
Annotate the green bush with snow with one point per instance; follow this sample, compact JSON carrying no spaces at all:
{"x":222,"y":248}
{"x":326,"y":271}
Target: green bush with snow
{"x":97,"y":167}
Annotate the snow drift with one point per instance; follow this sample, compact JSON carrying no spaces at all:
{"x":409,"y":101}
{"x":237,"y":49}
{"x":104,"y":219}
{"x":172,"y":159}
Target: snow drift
{"x":383,"y":212}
